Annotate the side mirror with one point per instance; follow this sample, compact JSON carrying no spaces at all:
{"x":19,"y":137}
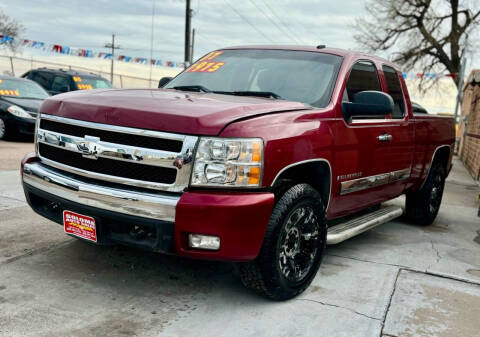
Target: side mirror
{"x":163,"y":81}
{"x":368,"y":103}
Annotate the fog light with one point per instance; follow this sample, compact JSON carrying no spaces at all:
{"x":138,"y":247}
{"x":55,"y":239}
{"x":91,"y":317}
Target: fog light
{"x":203,"y":241}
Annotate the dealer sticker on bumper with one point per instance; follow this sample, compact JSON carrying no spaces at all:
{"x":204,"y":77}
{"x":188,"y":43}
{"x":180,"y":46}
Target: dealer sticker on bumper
{"x":80,"y":225}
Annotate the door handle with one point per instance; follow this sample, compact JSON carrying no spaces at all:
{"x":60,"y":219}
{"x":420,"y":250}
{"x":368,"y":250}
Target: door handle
{"x":385,"y":137}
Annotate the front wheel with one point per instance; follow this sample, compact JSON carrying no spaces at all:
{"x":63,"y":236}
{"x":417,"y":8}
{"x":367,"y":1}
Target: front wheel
{"x":293,"y":246}
{"x":422,"y":206}
{"x":3,"y":129}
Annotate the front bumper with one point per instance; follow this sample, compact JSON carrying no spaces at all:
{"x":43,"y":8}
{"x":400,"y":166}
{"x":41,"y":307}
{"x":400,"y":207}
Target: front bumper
{"x":239,"y":219}
{"x":24,"y":126}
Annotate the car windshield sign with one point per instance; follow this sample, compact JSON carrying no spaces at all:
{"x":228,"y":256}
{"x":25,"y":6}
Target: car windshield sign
{"x":21,"y":89}
{"x":87,"y":83}
{"x":300,"y":76}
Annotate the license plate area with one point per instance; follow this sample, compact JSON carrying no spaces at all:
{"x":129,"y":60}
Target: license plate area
{"x":80,"y":225}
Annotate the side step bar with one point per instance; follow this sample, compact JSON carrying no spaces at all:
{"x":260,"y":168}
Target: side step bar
{"x":353,"y":227}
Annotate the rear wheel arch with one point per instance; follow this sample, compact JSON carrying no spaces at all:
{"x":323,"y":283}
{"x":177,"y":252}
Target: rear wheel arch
{"x":442,"y":154}
{"x":315,"y":172}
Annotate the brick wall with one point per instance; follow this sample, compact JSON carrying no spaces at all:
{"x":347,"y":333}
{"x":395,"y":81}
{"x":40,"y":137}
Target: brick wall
{"x":470,"y":138}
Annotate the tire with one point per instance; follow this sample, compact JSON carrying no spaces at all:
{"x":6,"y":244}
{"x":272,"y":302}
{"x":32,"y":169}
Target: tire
{"x":3,"y":129}
{"x":422,"y":206}
{"x":295,"y":238}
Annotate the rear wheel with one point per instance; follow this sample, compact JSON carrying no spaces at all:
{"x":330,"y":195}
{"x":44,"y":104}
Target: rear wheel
{"x":423,"y":205}
{"x":293,"y":246}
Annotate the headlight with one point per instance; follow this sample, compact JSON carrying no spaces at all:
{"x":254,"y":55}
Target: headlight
{"x":228,"y":162}
{"x":19,"y":112}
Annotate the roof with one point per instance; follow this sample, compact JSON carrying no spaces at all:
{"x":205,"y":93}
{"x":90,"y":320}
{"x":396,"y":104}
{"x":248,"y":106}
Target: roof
{"x":14,"y":78}
{"x":68,"y":72}
{"x":320,"y":49}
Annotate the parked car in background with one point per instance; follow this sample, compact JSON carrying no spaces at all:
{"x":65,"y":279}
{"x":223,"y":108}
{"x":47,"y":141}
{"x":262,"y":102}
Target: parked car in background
{"x":20,"y":100}
{"x":255,"y":155}
{"x":57,"y":81}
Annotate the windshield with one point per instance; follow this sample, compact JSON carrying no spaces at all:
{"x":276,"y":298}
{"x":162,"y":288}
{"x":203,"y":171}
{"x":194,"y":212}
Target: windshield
{"x":306,"y":77}
{"x":21,"y":89}
{"x":85,"y":83}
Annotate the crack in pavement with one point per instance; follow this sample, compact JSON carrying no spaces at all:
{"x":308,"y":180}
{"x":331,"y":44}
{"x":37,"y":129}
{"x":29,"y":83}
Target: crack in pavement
{"x":387,"y":309}
{"x":407,"y":268}
{"x":337,"y":306}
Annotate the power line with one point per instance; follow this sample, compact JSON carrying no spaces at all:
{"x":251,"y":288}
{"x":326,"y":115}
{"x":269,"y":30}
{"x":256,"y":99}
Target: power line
{"x":283,"y":31}
{"x":248,"y":21}
{"x":281,"y":21}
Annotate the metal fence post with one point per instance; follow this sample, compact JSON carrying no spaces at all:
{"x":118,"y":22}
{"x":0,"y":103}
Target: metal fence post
{"x":121,"y":81}
{"x":11,"y":66}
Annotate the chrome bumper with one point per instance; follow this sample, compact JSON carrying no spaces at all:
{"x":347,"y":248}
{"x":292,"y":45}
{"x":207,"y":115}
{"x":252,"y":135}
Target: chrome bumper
{"x":148,"y":205}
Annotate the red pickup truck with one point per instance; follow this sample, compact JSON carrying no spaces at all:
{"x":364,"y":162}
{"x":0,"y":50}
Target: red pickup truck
{"x":259,"y":155}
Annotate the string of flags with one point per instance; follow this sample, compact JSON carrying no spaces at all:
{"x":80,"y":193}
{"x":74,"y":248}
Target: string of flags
{"x":62,"y":49}
{"x":431,"y":76}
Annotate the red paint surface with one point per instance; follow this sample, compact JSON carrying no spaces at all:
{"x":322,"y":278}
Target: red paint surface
{"x":239,"y":219}
{"x":292,"y":133}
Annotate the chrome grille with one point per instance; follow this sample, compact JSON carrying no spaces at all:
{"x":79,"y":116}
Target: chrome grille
{"x":79,"y":147}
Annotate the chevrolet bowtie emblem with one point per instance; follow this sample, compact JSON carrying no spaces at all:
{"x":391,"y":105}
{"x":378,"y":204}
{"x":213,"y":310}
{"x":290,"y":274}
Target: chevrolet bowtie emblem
{"x":89,"y":147}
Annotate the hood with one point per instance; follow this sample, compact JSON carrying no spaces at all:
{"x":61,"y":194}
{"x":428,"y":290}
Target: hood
{"x":163,"y":109}
{"x":28,"y":104}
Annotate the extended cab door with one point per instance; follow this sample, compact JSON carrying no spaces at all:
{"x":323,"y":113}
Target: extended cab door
{"x":373,"y":154}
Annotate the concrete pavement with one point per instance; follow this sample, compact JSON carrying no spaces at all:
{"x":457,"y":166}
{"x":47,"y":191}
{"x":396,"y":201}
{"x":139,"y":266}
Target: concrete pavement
{"x":395,"y":280}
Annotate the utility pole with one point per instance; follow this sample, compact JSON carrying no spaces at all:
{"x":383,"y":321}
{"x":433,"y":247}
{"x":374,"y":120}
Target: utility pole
{"x":151,"y":45}
{"x":188,"y":19}
{"x":113,"y":46}
{"x":192,"y":45}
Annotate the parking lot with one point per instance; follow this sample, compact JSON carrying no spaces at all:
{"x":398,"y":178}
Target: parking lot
{"x":395,"y":280}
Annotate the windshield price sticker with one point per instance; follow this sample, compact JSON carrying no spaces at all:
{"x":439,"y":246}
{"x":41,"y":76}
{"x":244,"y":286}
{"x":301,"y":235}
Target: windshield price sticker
{"x":1,"y":80}
{"x":84,"y":86}
{"x":211,"y":56}
{"x":9,"y":92}
{"x":77,"y":79}
{"x":205,"y":67}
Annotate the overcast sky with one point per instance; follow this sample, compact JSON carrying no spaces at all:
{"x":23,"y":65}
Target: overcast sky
{"x":89,"y":23}
{"x":218,"y":23}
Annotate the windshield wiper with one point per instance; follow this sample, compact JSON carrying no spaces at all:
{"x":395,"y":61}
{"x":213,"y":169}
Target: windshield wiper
{"x":266,"y":94}
{"x":196,"y":88}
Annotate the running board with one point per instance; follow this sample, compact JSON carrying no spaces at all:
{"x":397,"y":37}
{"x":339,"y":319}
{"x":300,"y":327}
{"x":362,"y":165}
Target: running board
{"x":351,"y":228}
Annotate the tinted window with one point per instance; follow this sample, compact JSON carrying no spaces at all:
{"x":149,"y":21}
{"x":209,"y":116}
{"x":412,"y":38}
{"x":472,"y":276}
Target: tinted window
{"x":42,"y":78}
{"x":299,"y":76}
{"x":395,"y":90}
{"x":61,"y":84}
{"x":362,"y":77}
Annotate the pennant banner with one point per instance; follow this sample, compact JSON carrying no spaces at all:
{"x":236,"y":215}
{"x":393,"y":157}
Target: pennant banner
{"x":62,"y":49}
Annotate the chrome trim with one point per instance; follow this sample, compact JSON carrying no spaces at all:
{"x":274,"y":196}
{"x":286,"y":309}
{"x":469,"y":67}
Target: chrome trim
{"x":346,"y":230}
{"x":93,"y":147}
{"x":431,"y":161}
{"x":148,"y":205}
{"x":115,"y":128}
{"x":304,"y":162}
{"x":361,"y":184}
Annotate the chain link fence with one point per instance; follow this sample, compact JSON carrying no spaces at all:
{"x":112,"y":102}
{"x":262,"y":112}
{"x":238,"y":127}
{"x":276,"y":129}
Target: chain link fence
{"x":17,"y":66}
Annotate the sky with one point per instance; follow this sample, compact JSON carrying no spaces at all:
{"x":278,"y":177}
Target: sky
{"x":218,"y":23}
{"x":89,"y":24}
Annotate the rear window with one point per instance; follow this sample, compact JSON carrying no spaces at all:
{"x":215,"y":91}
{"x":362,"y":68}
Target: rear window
{"x":395,"y":90}
{"x":89,"y":82}
{"x":21,"y":89}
